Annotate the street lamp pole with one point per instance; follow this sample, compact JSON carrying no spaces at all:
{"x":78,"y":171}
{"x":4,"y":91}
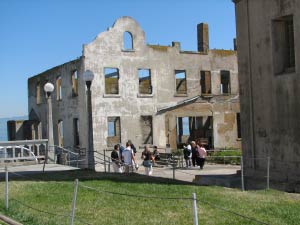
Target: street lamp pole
{"x":49,"y":89}
{"x":88,"y":77}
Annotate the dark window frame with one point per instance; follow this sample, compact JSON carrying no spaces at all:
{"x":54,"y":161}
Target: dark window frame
{"x":109,"y":86}
{"x":179,"y":81}
{"x":149,"y":89}
{"x":283,"y":49}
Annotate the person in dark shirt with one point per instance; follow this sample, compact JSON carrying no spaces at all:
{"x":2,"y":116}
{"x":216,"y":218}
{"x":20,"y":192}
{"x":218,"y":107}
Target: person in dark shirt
{"x":156,"y":153}
{"x":116,"y":163}
{"x":148,"y":160}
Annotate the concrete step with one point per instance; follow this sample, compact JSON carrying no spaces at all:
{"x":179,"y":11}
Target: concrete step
{"x":231,"y":181}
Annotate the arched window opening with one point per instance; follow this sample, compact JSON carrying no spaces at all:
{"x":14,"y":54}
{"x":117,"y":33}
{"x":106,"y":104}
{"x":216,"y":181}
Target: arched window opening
{"x":38,"y":93}
{"x":58,"y":88}
{"x":128,"y":41}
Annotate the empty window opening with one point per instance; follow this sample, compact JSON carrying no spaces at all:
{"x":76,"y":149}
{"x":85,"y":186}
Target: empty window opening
{"x":36,"y":130}
{"x":145,"y":86}
{"x":111,"y":80}
{"x":146,"y":128}
{"x":225,"y":82}
{"x":74,"y":78}
{"x":195,"y":129}
{"x":127,"y":41}
{"x":205,"y":82}
{"x":283,"y":45}
{"x":58,"y":88}
{"x":180,"y":82}
{"x":76,"y":131}
{"x":114,"y":131}
{"x":38,"y":93}
{"x":238,"y":123}
{"x":60,"y":132}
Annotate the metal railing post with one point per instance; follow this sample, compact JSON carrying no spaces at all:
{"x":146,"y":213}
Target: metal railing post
{"x":195,"y":211}
{"x":74,"y":203}
{"x":242,"y":174}
{"x":268,"y":173}
{"x":108,"y":164}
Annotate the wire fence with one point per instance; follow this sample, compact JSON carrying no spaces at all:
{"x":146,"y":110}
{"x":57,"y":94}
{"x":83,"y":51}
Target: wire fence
{"x":99,"y":193}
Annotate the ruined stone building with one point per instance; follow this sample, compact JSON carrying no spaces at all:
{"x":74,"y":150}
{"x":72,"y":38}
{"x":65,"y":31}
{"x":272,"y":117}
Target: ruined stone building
{"x":268,"y":39}
{"x":147,"y":93}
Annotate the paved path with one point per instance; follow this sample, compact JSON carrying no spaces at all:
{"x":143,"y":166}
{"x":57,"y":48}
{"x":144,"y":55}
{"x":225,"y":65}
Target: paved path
{"x":36,"y":168}
{"x":188,"y":174}
{"x":185,"y":174}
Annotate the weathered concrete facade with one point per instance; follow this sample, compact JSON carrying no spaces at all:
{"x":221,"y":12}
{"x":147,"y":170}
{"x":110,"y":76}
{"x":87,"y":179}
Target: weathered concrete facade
{"x":68,"y":107}
{"x":137,"y":92}
{"x":269,"y":62}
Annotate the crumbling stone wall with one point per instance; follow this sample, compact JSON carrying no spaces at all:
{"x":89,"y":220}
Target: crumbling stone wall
{"x":140,"y":114}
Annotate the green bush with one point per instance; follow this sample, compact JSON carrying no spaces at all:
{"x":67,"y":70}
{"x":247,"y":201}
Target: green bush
{"x":225,"y":157}
{"x":177,"y":152}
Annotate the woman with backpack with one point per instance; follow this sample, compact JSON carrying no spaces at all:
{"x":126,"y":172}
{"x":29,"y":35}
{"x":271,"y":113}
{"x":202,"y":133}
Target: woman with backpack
{"x":148,"y":159}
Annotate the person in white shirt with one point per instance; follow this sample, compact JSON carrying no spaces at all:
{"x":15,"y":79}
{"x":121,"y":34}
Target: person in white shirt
{"x":128,"y":157}
{"x":187,"y":153}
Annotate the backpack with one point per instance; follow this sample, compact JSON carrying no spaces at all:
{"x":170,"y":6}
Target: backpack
{"x":186,"y":152}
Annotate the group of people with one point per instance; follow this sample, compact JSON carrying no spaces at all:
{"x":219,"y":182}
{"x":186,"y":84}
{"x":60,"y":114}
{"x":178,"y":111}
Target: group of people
{"x":194,"y":154}
{"x":124,"y":159}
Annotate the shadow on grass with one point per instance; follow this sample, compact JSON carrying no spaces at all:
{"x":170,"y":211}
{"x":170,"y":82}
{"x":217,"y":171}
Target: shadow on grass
{"x":85,"y":175}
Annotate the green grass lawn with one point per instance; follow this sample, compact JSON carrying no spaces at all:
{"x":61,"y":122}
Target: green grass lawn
{"x":53,"y":193}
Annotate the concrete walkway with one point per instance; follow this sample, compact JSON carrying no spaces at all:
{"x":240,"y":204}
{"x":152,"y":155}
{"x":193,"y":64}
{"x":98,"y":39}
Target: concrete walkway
{"x":188,"y":174}
{"x":36,"y":168}
{"x":184,"y":174}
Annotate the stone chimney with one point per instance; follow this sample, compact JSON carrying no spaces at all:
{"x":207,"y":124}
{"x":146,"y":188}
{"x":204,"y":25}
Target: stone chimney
{"x":203,"y":38}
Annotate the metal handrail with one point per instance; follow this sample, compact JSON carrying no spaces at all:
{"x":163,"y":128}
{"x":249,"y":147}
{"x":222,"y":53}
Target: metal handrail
{"x":64,"y":149}
{"x":19,"y":147}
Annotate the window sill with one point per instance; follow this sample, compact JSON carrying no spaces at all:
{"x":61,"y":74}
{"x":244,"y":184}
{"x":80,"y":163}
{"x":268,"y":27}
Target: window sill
{"x":239,"y":139}
{"x":180,"y":95}
{"x":287,"y":71}
{"x":207,"y":95}
{"x":128,"y":50}
{"x":145,"y":95}
{"x":111,"y":96}
{"x":225,"y":94}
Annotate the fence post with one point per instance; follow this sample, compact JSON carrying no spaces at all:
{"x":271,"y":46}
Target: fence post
{"x":242,"y":174}
{"x":77,"y":160}
{"x":6,"y":188}
{"x":268,"y":173}
{"x":195,"y":211}
{"x":74,"y":202}
{"x":173,"y":171}
{"x":104,"y":160}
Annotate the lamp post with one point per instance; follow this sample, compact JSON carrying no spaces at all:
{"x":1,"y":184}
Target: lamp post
{"x":48,"y":88}
{"x":88,"y":76}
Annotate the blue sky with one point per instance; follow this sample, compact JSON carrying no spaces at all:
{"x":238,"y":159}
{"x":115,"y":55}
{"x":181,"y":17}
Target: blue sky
{"x":37,"y":35}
